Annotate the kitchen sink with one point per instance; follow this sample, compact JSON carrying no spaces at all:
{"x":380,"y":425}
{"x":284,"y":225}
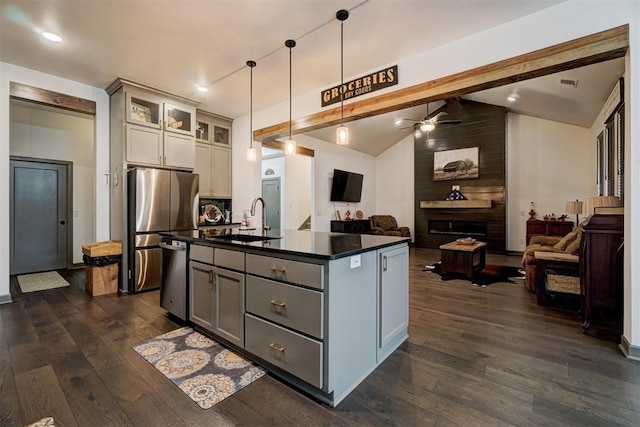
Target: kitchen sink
{"x":245,"y":237}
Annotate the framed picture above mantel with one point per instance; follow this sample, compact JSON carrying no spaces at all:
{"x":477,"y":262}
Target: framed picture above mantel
{"x":456,"y":164}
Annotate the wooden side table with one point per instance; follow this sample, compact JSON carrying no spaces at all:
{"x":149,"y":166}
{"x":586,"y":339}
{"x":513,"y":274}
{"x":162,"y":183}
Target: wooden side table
{"x":458,"y":258}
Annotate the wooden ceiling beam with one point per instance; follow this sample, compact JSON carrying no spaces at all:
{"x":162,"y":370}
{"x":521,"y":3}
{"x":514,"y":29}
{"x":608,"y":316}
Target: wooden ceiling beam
{"x":599,"y":47}
{"x":50,"y":98}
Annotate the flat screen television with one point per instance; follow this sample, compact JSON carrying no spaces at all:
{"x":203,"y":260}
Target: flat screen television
{"x":346,"y":186}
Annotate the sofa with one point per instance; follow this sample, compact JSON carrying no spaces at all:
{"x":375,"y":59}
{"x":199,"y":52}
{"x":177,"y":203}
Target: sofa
{"x":387,"y":225}
{"x":569,"y":244}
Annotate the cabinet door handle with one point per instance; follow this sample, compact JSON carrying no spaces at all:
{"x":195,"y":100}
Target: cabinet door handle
{"x":165,"y":160}
{"x":276,"y":347}
{"x":278,"y":269}
{"x":278,"y":303}
{"x":211,"y":276}
{"x":384,"y":263}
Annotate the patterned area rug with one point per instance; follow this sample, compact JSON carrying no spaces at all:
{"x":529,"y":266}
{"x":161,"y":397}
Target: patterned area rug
{"x":45,"y":422}
{"x":488,"y":275}
{"x":41,"y":281}
{"x":202,"y":368}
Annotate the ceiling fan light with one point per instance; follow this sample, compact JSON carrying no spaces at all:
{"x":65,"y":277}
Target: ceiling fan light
{"x":52,"y":36}
{"x":251,"y":154}
{"x":290,"y":147}
{"x":427,"y":126}
{"x":342,"y":135}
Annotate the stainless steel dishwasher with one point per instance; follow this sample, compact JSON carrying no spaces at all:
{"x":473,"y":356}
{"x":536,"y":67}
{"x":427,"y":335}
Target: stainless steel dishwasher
{"x":173,"y":289}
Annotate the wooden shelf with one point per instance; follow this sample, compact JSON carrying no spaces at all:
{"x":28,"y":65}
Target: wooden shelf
{"x":455,"y":204}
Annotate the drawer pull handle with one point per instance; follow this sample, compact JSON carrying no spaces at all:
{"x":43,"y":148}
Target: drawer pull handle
{"x":278,"y":269}
{"x":278,"y":303}
{"x":277,"y":347}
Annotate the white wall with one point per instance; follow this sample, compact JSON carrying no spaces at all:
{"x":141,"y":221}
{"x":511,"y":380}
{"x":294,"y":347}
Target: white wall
{"x":327,"y":158}
{"x":9,"y":73}
{"x":548,"y":163}
{"x":298,"y":185}
{"x":59,"y":135}
{"x":395,"y":183}
{"x":277,"y":165}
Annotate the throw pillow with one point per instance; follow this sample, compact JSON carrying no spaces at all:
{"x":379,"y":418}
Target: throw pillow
{"x":565,"y":241}
{"x":574,"y":247}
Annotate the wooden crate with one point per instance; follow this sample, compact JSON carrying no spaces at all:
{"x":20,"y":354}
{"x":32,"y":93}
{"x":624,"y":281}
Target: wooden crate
{"x":101,"y":280}
{"x":107,"y":248}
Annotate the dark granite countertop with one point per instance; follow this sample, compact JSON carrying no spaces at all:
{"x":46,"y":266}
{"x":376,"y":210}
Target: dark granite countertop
{"x":314,"y":244}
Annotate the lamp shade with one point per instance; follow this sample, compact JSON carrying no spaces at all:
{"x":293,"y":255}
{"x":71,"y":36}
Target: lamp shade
{"x":574,"y":207}
{"x":591,"y":203}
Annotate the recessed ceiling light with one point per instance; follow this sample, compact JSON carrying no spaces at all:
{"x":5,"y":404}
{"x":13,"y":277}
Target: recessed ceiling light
{"x":398,"y":122}
{"x":513,"y":98}
{"x":202,"y":89}
{"x":51,"y":36}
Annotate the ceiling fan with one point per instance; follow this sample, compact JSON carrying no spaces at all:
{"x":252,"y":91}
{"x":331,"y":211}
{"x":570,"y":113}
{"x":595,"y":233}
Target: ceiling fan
{"x":427,"y":124}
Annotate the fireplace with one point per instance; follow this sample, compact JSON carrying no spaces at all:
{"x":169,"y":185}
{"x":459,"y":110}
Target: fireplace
{"x":458,"y":227}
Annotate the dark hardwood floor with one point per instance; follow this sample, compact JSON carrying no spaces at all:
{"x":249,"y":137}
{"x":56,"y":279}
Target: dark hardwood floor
{"x":475,"y":357}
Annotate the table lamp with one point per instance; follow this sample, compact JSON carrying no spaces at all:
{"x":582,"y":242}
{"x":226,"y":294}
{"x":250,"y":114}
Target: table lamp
{"x":591,"y":203}
{"x":574,"y":208}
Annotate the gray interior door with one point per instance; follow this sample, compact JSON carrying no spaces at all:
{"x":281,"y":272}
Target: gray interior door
{"x":38,"y":216}
{"x":271,"y":195}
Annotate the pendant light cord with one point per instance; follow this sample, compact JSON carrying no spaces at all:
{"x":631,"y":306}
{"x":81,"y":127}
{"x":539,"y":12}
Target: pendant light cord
{"x":341,"y":72}
{"x":251,"y":64}
{"x":290,"y":90}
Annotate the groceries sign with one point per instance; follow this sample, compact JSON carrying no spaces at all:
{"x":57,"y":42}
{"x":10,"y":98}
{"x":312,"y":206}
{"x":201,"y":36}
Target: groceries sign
{"x":362,"y":85}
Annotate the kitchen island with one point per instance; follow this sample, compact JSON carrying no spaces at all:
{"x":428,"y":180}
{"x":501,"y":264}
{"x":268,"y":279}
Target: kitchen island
{"x":320,"y":310}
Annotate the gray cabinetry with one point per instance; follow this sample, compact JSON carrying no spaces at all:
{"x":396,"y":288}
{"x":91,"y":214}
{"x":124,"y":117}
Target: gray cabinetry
{"x":201,"y":294}
{"x":285,"y":321}
{"x":286,"y":349}
{"x":217,"y":293}
{"x":321,"y":324}
{"x":393,"y":299}
{"x":213,"y":154}
{"x":151,"y":127}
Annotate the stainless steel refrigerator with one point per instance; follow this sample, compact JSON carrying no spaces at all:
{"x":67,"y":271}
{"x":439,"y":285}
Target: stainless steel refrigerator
{"x":158,"y":200}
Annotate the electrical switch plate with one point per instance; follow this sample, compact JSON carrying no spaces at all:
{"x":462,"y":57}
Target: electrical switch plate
{"x":76,"y":214}
{"x":355,"y":261}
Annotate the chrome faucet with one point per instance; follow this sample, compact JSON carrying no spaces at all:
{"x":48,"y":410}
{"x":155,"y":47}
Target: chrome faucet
{"x":265,"y":227}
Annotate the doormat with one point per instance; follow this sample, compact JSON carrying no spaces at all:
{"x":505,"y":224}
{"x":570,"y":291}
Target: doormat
{"x":488,"y":275}
{"x":207,"y":372}
{"x":41,"y":281}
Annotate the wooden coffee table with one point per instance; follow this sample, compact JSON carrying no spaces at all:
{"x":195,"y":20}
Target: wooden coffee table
{"x":458,"y":258}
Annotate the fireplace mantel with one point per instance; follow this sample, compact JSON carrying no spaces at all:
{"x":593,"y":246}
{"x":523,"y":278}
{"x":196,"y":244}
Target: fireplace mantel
{"x":455,"y":204}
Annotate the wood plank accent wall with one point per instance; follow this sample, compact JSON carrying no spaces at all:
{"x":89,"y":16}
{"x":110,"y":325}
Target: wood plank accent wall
{"x":482,"y":126}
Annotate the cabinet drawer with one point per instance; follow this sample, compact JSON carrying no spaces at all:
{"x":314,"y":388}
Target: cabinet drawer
{"x":201,"y":253}
{"x":296,"y":354}
{"x":302,"y":273}
{"x":288,"y":305}
{"x":229,"y":259}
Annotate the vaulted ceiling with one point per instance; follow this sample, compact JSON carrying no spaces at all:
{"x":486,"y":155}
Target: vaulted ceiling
{"x":176,"y":46}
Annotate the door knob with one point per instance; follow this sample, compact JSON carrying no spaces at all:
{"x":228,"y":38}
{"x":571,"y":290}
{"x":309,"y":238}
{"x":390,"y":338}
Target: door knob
{"x":63,"y":222}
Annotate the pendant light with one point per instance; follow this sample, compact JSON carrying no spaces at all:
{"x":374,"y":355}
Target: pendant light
{"x":251,"y":151}
{"x":290,"y":145}
{"x":342,"y":132}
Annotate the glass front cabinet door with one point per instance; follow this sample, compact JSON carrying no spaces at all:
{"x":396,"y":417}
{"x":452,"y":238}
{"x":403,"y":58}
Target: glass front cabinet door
{"x":143,"y":110}
{"x":179,"y":118}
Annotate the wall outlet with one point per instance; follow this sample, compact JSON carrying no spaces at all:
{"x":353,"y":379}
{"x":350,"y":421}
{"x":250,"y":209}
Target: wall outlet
{"x":522,"y":241}
{"x":356,"y":261}
{"x":521,"y":213}
{"x":76,"y":214}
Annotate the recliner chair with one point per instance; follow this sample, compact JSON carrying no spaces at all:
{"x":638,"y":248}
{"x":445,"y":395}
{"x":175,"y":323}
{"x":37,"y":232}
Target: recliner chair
{"x":387,"y":225}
